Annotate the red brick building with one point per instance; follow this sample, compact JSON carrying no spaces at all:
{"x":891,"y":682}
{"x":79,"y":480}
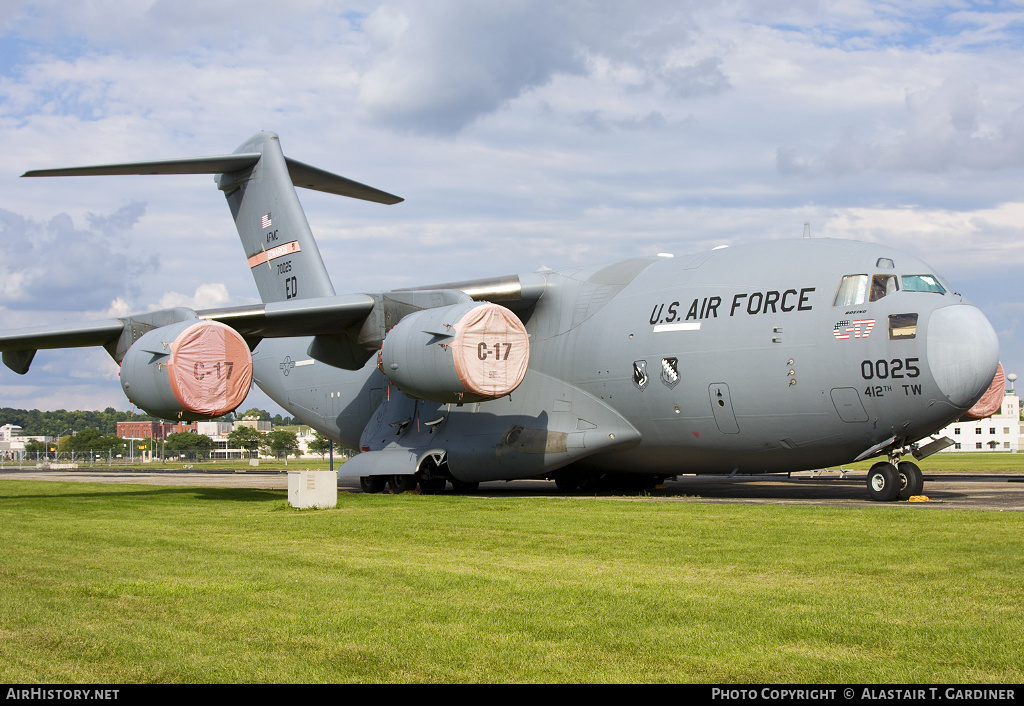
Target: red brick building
{"x":152,"y":430}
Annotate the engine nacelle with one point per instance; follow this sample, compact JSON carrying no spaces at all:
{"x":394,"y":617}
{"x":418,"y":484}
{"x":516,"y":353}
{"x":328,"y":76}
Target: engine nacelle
{"x":469,"y":352}
{"x":190,"y":370}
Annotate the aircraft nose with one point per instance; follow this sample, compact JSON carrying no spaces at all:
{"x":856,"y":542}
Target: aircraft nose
{"x":963,"y":352}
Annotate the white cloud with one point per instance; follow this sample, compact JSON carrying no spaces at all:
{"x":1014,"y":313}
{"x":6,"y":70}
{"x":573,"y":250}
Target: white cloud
{"x":940,"y":132}
{"x":207,"y":296}
{"x":522,"y":134}
{"x":440,"y":66}
{"x":56,"y":265}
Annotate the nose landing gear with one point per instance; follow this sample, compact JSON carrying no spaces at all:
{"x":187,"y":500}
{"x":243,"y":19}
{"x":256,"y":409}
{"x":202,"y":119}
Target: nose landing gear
{"x":883,"y":482}
{"x":911,"y":480}
{"x":892,"y":479}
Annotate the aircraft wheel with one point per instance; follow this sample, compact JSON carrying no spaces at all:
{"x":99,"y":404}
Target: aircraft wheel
{"x":461,"y":486}
{"x":402,"y":484}
{"x":911,"y":480}
{"x":883,"y":482}
{"x":432,"y":486}
{"x":567,"y":481}
{"x":373,"y":484}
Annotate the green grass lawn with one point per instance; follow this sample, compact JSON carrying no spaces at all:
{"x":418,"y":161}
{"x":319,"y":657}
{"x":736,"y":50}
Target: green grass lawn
{"x":115,"y":583}
{"x":961,"y":462}
{"x":958,"y":462}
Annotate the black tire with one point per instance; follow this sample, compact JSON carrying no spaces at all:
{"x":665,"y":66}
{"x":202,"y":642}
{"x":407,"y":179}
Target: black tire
{"x":884,"y":482}
{"x":373,"y":484}
{"x":911,"y":480}
{"x":433,"y":486}
{"x":402,"y":484}
{"x":461,"y":486}
{"x":567,"y":481}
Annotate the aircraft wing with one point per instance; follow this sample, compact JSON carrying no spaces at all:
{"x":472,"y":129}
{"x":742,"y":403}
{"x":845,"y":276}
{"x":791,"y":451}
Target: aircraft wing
{"x":326,"y":317}
{"x":20,"y":346}
{"x":298,"y":317}
{"x":303,"y":317}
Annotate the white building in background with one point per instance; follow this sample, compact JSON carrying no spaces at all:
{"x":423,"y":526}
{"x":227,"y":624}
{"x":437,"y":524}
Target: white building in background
{"x":9,"y":431}
{"x":12,"y":443}
{"x":262,"y":427}
{"x":1000,"y":432}
{"x":214,"y":429}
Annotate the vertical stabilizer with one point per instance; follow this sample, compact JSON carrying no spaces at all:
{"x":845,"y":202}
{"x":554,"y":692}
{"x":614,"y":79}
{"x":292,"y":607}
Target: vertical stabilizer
{"x":259,"y":183}
{"x":283,"y":256}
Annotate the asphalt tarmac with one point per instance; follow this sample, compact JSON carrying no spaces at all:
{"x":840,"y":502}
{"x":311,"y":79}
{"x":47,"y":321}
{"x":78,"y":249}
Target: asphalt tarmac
{"x":950,"y":491}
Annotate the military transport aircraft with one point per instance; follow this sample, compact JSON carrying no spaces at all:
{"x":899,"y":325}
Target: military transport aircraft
{"x":766,"y":358}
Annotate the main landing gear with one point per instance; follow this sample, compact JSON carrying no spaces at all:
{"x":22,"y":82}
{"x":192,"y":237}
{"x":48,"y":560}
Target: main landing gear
{"x":399,"y":484}
{"x":889,"y":480}
{"x":432,"y":476}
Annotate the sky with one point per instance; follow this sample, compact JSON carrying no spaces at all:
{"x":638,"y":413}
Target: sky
{"x":523,"y":134}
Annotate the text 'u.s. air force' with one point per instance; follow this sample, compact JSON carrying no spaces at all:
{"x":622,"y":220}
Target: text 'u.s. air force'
{"x":773,"y":301}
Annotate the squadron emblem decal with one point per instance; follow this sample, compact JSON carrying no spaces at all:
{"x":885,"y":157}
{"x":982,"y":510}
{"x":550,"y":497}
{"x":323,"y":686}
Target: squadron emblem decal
{"x":640,"y":378}
{"x":670,"y":372}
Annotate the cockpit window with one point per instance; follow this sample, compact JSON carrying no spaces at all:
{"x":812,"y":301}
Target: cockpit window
{"x":852,"y":291}
{"x":902,"y":326}
{"x":922,"y":283}
{"x":881,"y":285}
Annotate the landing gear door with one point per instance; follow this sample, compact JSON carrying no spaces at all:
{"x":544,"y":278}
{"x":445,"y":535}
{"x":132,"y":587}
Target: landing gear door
{"x":721,"y":406}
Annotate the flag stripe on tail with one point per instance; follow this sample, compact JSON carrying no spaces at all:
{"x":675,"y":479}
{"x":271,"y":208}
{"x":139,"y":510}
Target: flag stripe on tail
{"x":279,"y":251}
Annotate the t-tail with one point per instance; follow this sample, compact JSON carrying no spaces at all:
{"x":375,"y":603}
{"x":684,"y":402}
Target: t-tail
{"x":258,"y":182}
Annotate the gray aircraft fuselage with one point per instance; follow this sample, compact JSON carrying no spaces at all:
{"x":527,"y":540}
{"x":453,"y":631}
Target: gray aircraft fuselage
{"x":771,"y":357}
{"x":734,"y":359}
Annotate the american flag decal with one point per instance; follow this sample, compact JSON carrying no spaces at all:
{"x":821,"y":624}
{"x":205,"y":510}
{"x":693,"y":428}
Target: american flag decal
{"x":265,"y":221}
{"x":858,"y":328}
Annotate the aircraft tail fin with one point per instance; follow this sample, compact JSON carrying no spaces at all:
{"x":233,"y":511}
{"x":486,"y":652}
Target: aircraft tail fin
{"x":258,"y":182}
{"x":279,"y":245}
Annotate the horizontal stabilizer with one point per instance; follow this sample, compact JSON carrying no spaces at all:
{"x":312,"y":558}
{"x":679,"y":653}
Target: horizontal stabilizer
{"x":301,"y":174}
{"x":196,"y":165}
{"x":319,"y":180}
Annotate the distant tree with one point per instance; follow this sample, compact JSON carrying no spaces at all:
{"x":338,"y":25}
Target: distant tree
{"x":191,"y":445}
{"x":245,"y":438}
{"x":60,"y":422}
{"x":91,"y":439}
{"x":256,"y":413}
{"x":319,"y":444}
{"x":280,"y":442}
{"x":34,"y":447}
